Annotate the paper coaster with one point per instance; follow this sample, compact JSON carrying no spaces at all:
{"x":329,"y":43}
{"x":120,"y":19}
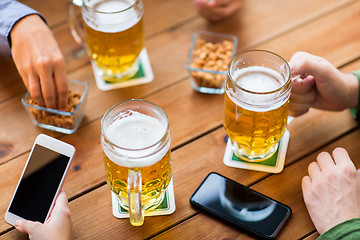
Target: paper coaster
{"x":167,"y":206}
{"x":143,"y":75}
{"x":274,"y":164}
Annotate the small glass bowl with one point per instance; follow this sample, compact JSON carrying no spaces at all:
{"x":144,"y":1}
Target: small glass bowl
{"x":208,"y":59}
{"x":55,"y":120}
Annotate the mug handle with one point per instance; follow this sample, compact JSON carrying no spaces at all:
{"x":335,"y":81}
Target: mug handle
{"x":134,"y":192}
{"x":76,"y":26}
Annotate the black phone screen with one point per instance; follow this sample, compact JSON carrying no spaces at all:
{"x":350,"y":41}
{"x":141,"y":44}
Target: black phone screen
{"x":240,"y":205}
{"x":39,"y":184}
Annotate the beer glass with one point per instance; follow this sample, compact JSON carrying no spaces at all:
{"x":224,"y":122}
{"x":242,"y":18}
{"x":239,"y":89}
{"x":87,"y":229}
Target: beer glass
{"x":257,"y":95}
{"x":114,"y":35}
{"x":135,"y":138}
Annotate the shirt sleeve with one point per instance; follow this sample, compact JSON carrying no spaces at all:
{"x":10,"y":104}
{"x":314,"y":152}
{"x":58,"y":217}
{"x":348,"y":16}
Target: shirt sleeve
{"x":347,"y":230}
{"x":355,"y":112}
{"x":11,"y":12}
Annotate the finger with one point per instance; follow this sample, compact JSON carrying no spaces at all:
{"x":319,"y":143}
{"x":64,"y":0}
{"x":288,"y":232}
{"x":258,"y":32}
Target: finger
{"x":297,"y":109}
{"x":35,"y":89}
{"x":308,"y":98}
{"x":306,"y":185}
{"x":61,"y":203}
{"x":61,"y":84}
{"x":303,"y":86}
{"x":313,"y":170}
{"x":341,"y":157}
{"x":325,"y":161}
{"x":304,"y":63}
{"x":219,"y":2}
{"x":45,"y":72}
{"x":25,"y":226}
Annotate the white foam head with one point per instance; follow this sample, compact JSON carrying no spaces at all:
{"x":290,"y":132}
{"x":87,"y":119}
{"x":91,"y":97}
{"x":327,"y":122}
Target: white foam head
{"x":260,"y":84}
{"x":134,"y":135}
{"x":109,"y":16}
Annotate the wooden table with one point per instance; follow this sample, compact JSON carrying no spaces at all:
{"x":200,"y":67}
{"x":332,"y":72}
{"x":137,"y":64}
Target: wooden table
{"x":328,"y":28}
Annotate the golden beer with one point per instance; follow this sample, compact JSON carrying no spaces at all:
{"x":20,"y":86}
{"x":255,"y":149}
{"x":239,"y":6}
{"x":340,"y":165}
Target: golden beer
{"x":114,"y":37}
{"x":256,"y":110}
{"x":155,"y":179}
{"x":135,"y":139}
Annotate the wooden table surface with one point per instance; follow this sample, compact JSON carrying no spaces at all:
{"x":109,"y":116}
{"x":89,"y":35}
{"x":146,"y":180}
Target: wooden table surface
{"x":328,"y":28}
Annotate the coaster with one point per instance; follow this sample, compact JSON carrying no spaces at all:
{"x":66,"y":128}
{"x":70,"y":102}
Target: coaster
{"x":167,"y":206}
{"x":143,"y":75}
{"x":274,"y":164}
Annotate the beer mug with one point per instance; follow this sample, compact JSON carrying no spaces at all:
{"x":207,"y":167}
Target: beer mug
{"x":135,"y":138}
{"x":257,"y":95}
{"x":114,"y":35}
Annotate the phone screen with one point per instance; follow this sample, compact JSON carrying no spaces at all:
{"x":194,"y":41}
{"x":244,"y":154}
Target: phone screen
{"x":240,"y":205}
{"x":39,"y":184}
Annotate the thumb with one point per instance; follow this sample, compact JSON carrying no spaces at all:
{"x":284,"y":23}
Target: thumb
{"x":25,"y":226}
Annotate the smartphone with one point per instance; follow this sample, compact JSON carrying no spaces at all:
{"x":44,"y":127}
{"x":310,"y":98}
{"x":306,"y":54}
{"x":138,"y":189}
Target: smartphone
{"x":41,"y":180}
{"x":240,"y":206}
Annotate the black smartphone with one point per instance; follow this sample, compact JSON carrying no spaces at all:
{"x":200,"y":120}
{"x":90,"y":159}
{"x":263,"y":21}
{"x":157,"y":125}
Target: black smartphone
{"x":240,"y":205}
{"x":41,"y":180}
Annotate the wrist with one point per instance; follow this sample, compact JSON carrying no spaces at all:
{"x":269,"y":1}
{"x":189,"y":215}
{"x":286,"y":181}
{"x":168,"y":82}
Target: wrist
{"x":27,"y":22}
{"x":352,"y":81}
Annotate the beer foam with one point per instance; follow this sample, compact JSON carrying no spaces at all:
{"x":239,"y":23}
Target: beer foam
{"x":134,"y":130}
{"x":257,"y":79}
{"x":112,"y":20}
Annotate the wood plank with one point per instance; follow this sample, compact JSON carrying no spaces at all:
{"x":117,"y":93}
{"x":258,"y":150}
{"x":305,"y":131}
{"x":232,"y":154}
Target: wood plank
{"x":289,"y":193}
{"x":178,"y":41}
{"x":164,"y":76}
{"x":204,"y":155}
{"x":55,"y":12}
{"x":335,"y":31}
{"x":89,"y":171}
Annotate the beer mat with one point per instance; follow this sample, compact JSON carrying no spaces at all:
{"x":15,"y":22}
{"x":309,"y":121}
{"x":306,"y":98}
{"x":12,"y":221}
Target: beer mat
{"x":274,"y":164}
{"x":143,"y":75}
{"x":167,"y":206}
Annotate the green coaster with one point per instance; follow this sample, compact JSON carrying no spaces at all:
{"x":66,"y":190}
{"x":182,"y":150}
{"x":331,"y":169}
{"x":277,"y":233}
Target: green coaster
{"x":143,"y":75}
{"x":274,"y":164}
{"x":166,"y":207}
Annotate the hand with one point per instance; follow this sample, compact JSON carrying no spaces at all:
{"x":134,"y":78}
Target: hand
{"x":39,"y":62}
{"x":332,"y":190}
{"x":57,"y":227}
{"x":320,"y":85}
{"x":215,"y":10}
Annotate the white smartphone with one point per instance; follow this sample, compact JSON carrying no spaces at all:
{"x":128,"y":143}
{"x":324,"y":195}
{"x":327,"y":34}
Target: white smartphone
{"x":41,"y":180}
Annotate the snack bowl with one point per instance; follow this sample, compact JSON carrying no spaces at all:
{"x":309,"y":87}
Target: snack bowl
{"x":61,"y":121}
{"x":208,"y":59}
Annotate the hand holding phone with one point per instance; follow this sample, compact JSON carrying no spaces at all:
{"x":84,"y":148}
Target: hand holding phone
{"x":41,"y":180}
{"x":240,"y":205}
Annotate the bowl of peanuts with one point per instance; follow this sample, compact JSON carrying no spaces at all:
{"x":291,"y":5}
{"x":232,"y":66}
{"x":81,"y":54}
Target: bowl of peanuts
{"x":208,"y":59}
{"x":61,"y":121}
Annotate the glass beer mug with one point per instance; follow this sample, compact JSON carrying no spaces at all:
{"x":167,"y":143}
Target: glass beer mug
{"x":135,"y":138}
{"x":114,"y":35}
{"x":257,"y":95}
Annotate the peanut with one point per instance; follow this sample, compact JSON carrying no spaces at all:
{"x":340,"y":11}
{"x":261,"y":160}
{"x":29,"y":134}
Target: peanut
{"x":214,"y":57}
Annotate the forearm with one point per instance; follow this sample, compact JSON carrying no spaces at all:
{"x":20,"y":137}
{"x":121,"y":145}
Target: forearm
{"x":11,"y":12}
